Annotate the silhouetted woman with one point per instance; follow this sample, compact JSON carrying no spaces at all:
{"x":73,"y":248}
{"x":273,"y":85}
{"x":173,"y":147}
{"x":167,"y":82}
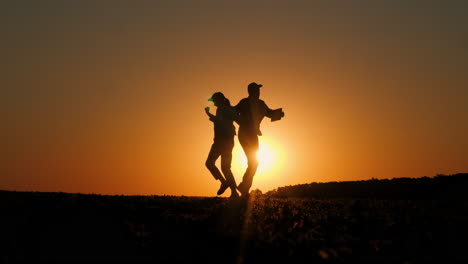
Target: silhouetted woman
{"x":224,"y":132}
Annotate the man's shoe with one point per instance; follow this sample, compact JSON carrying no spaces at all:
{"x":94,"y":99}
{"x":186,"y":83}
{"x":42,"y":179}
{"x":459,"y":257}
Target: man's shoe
{"x":222,"y":188}
{"x":245,"y":196}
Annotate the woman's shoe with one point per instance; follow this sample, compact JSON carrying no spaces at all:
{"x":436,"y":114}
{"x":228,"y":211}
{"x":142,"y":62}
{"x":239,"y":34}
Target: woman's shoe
{"x":234,"y":195}
{"x":222,"y":188}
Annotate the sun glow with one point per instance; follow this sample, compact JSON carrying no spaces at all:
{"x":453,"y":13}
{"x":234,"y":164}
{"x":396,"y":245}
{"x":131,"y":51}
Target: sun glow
{"x":266,"y":158}
{"x":269,"y":157}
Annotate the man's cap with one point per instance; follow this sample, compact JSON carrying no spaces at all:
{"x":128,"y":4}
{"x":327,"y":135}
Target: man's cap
{"x":254,"y":85}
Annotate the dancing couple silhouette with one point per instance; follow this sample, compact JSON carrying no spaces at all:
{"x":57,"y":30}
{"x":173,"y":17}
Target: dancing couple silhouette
{"x":248,"y":114}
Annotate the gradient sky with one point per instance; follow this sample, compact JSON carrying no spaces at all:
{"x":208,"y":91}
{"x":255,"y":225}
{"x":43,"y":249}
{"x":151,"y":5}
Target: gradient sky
{"x":108,"y":96}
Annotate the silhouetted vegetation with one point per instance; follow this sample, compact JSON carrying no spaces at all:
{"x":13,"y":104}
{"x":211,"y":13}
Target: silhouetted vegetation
{"x":438,"y":187}
{"x":160,"y":229}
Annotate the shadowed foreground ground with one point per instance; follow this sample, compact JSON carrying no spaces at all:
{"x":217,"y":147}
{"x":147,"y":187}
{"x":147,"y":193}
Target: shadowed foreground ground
{"x":65,"y":227}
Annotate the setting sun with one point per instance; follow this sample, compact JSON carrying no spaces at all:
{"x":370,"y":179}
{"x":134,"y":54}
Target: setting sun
{"x":265,"y":156}
{"x":269,"y":157}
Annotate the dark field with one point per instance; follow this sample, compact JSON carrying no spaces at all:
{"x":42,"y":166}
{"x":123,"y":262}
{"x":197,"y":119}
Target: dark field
{"x":75,"y":227}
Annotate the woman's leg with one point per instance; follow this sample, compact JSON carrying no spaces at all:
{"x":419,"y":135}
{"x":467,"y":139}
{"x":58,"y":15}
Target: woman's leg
{"x":210,"y":163}
{"x":226,"y":159}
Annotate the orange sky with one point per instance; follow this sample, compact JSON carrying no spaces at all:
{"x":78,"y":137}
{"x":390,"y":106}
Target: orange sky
{"x":108,"y":97}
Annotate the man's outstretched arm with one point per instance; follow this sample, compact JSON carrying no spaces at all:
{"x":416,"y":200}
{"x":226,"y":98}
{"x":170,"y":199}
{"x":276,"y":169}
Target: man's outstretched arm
{"x":274,"y":115}
{"x":270,"y":113}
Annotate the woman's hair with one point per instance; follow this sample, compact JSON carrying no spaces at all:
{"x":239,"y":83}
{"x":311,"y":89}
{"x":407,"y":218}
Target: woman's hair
{"x":221,"y":97}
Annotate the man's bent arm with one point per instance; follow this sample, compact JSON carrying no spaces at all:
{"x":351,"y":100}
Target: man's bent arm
{"x":269,"y":112}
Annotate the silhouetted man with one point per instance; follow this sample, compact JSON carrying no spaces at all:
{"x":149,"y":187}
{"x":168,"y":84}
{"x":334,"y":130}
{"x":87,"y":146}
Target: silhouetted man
{"x":251,"y":111}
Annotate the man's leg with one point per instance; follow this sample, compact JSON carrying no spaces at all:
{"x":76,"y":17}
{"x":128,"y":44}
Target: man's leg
{"x":250,"y":147}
